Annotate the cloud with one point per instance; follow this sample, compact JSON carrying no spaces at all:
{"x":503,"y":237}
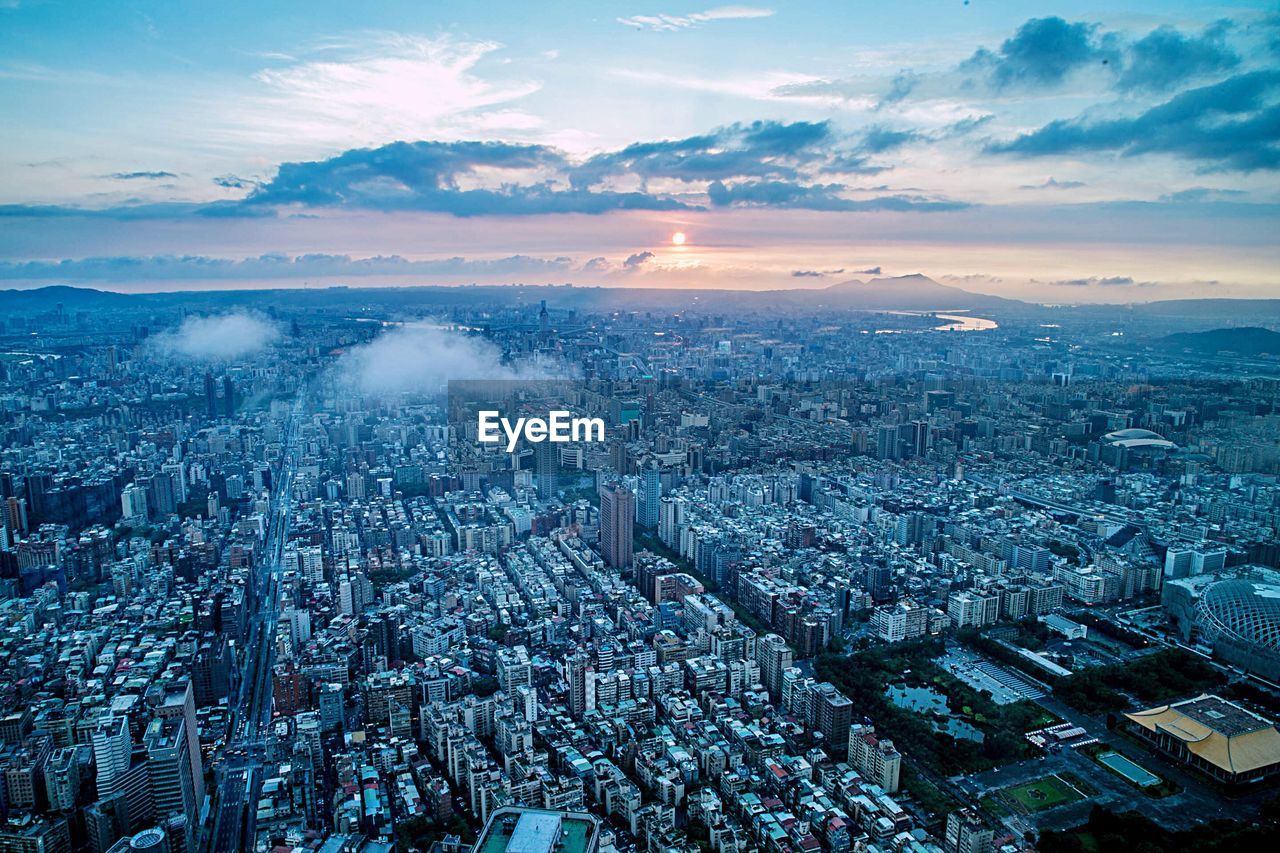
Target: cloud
{"x":784,"y":194}
{"x":1229,"y":125}
{"x":877,"y":140}
{"x":758,"y":149}
{"x":1165,"y":58}
{"x":673,"y":23}
{"x":140,"y":176}
{"x":1201,"y":194}
{"x":1042,"y":53}
{"x":428,"y":176}
{"x":639,"y":259}
{"x":272,"y":266}
{"x":220,"y":337}
{"x":421,"y":358}
{"x":821,"y":273}
{"x":764,"y":158}
{"x":382,"y":86}
{"x":234,"y":182}
{"x":1108,"y":281}
{"x":1054,"y":184}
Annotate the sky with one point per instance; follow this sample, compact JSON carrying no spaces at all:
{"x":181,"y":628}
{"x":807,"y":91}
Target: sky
{"x":1059,"y":152}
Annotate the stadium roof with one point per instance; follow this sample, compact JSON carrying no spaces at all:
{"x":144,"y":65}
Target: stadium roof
{"x":1138,"y":438}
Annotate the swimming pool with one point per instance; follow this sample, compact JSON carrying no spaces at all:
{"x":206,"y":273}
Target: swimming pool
{"x":1136,"y":774}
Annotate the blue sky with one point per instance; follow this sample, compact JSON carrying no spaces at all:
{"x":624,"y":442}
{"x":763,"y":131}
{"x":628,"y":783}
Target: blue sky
{"x":1053,"y":151}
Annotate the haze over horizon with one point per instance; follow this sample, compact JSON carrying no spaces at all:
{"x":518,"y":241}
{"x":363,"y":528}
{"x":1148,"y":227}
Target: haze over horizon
{"x":1033,"y":150}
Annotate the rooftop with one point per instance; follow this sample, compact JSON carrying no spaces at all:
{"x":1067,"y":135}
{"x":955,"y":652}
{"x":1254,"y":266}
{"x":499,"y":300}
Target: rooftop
{"x":519,"y":830}
{"x":1217,"y":731}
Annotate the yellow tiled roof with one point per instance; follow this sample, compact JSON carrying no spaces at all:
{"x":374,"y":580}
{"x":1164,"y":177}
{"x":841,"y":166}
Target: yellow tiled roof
{"x":1238,"y":754}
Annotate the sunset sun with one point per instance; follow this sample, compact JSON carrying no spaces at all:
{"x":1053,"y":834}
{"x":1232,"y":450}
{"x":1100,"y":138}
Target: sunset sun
{"x":678,"y":238}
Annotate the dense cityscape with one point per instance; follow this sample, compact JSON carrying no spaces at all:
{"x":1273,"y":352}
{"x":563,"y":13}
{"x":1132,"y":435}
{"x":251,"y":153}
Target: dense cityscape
{"x":835,"y":579}
{"x":639,"y":426}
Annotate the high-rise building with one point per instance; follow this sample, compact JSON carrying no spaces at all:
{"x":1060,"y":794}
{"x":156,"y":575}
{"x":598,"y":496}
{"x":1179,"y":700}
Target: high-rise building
{"x":331,"y":707}
{"x":671,"y":516}
{"x":169,"y":765}
{"x":179,"y":701}
{"x":581,"y":678}
{"x":112,"y":749}
{"x":775,"y":657}
{"x":617,"y":523}
{"x":210,"y":396}
{"x":966,"y":833}
{"x":228,"y":396}
{"x":833,"y":714}
{"x":546,"y":461}
{"x":650,"y":497}
{"x":875,"y":758}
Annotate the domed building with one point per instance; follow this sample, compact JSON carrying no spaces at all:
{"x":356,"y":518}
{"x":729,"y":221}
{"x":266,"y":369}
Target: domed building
{"x":1241,"y":619}
{"x":1134,"y":448}
{"x":1239,"y":616}
{"x":1138,"y":438}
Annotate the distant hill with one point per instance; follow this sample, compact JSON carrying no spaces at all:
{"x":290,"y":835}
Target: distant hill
{"x":1248,"y":340}
{"x":909,"y":293}
{"x":912,"y":292}
{"x":48,"y":298}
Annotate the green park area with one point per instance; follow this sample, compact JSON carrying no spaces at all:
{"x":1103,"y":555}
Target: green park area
{"x":1034,"y":796}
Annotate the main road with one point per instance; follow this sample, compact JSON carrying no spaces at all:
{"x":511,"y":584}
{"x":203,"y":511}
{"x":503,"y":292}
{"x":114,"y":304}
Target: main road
{"x":242,"y":763}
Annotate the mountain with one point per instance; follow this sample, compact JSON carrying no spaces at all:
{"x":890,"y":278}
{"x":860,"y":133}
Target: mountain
{"x":1246,"y":340}
{"x":909,"y":292}
{"x":48,"y":298}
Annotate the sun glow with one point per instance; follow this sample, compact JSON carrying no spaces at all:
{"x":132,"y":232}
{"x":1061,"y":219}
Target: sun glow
{"x":679,"y":238}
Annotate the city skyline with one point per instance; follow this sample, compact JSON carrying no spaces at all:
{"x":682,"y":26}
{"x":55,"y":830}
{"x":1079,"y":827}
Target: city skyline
{"x":1029,"y":150}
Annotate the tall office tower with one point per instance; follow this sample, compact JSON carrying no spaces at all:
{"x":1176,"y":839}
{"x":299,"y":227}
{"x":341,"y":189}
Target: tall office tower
{"x":162,"y":493}
{"x":617,"y":523}
{"x":774,"y":656}
{"x":546,"y":459}
{"x":169,"y":766}
{"x":180,"y":701}
{"x":228,"y":396}
{"x":581,"y":677}
{"x":919,"y":438}
{"x":887,"y":443}
{"x":177,"y":471}
{"x":650,"y":497}
{"x":210,"y":396}
{"x":112,"y":748}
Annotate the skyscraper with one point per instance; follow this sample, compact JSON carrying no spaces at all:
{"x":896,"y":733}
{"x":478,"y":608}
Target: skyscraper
{"x":210,"y":396}
{"x":169,"y":766}
{"x":650,"y":497}
{"x":180,"y":701}
{"x":546,"y":459}
{"x":581,"y":678}
{"x":774,"y":657}
{"x":617,"y":523}
{"x":228,"y":396}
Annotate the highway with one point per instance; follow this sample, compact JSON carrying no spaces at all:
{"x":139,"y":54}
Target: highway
{"x":241,"y":765}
